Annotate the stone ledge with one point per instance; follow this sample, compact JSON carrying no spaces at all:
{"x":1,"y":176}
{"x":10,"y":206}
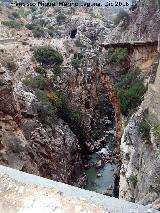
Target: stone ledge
{"x":25,"y":193}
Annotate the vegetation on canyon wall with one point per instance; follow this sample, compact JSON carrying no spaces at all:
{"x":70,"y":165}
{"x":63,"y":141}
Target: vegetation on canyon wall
{"x":131,"y":90}
{"x":48,"y":56}
{"x":116,"y":55}
{"x":63,"y":91}
{"x":130,"y":86}
{"x":144,"y":128}
{"x":54,"y":104}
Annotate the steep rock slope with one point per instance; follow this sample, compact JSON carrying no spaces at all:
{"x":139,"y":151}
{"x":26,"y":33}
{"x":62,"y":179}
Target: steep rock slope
{"x":139,"y":176}
{"x":29,"y":145}
{"x":31,"y":140}
{"x":143,"y":24}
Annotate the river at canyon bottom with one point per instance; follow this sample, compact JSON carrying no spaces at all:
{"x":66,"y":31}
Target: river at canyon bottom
{"x":105,"y":183}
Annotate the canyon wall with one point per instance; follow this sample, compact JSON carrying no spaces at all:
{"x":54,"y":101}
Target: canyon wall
{"x":29,"y":145}
{"x":139,"y":175}
{"x":33,"y":138}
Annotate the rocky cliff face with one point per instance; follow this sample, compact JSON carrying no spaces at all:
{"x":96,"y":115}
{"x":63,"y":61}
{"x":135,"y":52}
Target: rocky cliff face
{"x":139,"y":176}
{"x":42,"y":144}
{"x":29,"y":145}
{"x":139,"y":179}
{"x":143,"y":24}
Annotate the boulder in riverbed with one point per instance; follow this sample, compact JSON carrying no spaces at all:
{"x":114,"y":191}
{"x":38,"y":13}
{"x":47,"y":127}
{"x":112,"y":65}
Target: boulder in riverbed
{"x":99,"y":175}
{"x":99,"y":164}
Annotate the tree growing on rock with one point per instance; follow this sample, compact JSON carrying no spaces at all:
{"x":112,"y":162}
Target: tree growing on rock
{"x":48,"y":56}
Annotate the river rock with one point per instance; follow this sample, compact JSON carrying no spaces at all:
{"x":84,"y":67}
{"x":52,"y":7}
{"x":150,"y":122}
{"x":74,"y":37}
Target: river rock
{"x":99,"y":175}
{"x":99,"y":164}
{"x":103,"y":151}
{"x":108,"y":192}
{"x":110,"y":132}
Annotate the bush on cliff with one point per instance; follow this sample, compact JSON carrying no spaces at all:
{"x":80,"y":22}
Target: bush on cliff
{"x":15,"y":14}
{"x":40,"y":70}
{"x":75,"y":62}
{"x":61,"y":18}
{"x":157,"y":132}
{"x":12,"y":24}
{"x":130,"y":90}
{"x":48,"y":56}
{"x":10,"y":64}
{"x":38,"y":32}
{"x":133,"y":180}
{"x":46,"y":111}
{"x":38,"y":82}
{"x":117,"y":55}
{"x":57,"y":70}
{"x":73,"y":116}
{"x":144,"y":128}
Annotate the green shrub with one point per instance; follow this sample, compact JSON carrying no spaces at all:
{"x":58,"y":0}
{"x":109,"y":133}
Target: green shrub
{"x":132,"y":96}
{"x":37,"y":28}
{"x":71,"y":115}
{"x":75,"y":62}
{"x":55,"y":98}
{"x":15,"y":14}
{"x":38,"y":32}
{"x":78,"y":55}
{"x":144,"y":128}
{"x":157,"y":132}
{"x":133,"y":180}
{"x":117,"y":55}
{"x":126,"y":80}
{"x":12,"y":24}
{"x":57,"y":70}
{"x":50,"y":30}
{"x":50,"y":27}
{"x":61,"y":18}
{"x":120,"y":16}
{"x":40,"y":70}
{"x":46,"y":111}
{"x":42,"y":96}
{"x":130,"y":90}
{"x":48,"y":56}
{"x":30,"y":26}
{"x":38,"y":82}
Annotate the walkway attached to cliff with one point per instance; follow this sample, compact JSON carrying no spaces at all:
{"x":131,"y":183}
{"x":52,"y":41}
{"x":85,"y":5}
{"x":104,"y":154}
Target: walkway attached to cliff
{"x":129,"y":44}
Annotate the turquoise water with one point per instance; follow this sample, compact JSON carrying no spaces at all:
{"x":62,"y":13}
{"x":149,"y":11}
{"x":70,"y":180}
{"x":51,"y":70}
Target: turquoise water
{"x":101,"y":184}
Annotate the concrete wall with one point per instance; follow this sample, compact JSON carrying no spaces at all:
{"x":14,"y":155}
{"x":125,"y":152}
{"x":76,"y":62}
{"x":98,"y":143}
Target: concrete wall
{"x":22,"y":183}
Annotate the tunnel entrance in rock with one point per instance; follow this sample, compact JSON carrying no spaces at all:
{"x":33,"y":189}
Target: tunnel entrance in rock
{"x":73,"y":33}
{"x":87,"y":104}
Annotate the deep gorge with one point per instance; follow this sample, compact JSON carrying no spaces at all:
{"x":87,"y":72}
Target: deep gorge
{"x":79,"y":98}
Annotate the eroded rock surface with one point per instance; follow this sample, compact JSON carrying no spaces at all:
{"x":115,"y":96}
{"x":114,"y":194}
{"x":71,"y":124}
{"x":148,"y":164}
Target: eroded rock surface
{"x":140,"y":171}
{"x":143,"y":24}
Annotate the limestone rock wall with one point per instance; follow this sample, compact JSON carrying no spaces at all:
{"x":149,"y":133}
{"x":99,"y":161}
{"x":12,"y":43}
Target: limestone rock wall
{"x":143,"y":24}
{"x":27,"y":144}
{"x":140,"y":170}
